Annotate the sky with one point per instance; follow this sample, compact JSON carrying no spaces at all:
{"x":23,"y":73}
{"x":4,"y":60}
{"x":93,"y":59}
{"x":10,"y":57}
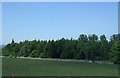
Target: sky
{"x":55,"y":20}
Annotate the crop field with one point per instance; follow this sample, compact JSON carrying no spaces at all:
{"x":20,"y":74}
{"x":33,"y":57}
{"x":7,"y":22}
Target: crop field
{"x":37,"y":67}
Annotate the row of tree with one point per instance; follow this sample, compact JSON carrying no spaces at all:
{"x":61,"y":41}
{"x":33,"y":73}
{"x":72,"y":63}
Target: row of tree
{"x":85,"y":47}
{"x":0,"y":51}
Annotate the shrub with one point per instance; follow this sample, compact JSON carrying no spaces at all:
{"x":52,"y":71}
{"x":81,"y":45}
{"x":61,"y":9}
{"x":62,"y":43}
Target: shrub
{"x":33,"y":54}
{"x":43,"y":55}
{"x":10,"y":56}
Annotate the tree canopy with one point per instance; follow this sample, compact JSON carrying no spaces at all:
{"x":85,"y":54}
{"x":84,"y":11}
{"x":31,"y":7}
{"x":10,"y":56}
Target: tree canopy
{"x":85,"y":47}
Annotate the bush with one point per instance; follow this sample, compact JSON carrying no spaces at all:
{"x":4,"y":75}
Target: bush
{"x":33,"y":54}
{"x":43,"y":55}
{"x":10,"y":56}
{"x":76,"y":56}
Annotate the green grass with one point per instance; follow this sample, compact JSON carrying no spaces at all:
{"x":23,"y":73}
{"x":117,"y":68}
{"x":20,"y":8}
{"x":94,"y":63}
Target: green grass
{"x":36,"y":67}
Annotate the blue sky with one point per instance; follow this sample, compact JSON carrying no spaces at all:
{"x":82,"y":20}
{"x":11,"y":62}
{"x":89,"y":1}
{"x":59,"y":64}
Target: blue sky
{"x":55,"y":20}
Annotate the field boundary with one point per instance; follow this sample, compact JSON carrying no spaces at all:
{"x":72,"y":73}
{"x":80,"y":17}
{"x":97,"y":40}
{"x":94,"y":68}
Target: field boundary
{"x":67,"y":60}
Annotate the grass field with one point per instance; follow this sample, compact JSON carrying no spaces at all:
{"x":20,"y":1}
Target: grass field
{"x":37,"y":67}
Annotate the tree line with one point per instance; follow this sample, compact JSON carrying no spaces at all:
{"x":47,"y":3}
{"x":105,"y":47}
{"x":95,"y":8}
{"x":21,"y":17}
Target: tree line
{"x":85,"y":47}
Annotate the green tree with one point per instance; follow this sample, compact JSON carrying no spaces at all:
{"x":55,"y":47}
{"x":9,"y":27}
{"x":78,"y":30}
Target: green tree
{"x":93,"y":47}
{"x":69,"y":49}
{"x":59,"y":47}
{"x":6,"y":51}
{"x":113,"y":39}
{"x":104,"y":48}
{"x":85,"y":47}
{"x":12,"y":43}
{"x":40,"y":47}
{"x":16,"y":49}
{"x":82,"y":47}
{"x":23,"y":51}
{"x":43,"y":55}
{"x":50,"y":49}
{"x":115,"y":54}
{"x":83,"y":38}
{"x":33,"y":53}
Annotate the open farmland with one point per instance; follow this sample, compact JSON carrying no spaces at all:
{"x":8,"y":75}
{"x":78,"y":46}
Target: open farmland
{"x":37,"y":67}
